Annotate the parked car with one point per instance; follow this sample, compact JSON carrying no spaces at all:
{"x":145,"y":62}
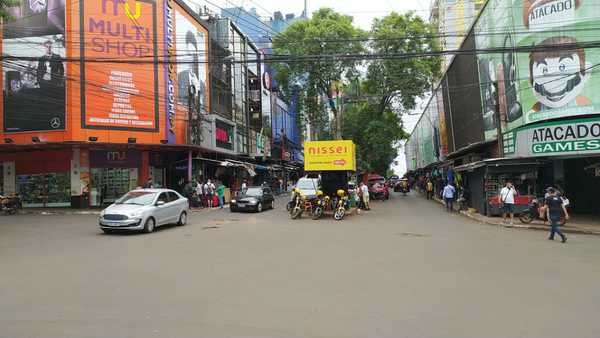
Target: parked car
{"x":254,"y":199}
{"x":379,"y":191}
{"x":145,"y":210}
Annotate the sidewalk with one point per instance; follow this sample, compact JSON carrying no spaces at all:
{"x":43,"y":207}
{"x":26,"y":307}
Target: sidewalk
{"x":576,"y":225}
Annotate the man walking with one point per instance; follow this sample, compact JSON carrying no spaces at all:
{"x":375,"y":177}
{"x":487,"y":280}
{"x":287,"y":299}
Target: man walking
{"x":429,"y":188}
{"x":556,"y":209}
{"x":448,"y":194}
{"x":221,"y":194}
{"x":365,"y":195}
{"x":507,"y":200}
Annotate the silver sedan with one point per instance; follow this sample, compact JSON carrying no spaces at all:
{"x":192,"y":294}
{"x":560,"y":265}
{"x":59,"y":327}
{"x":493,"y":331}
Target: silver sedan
{"x":144,"y":210}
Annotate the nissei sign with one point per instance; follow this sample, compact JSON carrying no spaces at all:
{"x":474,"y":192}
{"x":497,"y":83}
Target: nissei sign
{"x":558,"y":138}
{"x":329,"y":155}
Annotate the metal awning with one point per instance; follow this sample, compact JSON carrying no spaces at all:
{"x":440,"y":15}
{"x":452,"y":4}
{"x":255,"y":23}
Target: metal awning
{"x":497,"y":162}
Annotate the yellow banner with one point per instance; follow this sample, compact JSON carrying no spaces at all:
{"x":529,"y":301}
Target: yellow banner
{"x":329,"y":155}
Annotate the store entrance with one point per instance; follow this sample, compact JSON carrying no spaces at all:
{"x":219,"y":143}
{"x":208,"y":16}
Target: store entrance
{"x":108,"y":184}
{"x":582,"y":185}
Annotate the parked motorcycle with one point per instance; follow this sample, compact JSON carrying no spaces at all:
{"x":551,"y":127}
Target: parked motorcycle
{"x":10,"y":204}
{"x":341,"y":205}
{"x":536,"y":210}
{"x":298,"y":208}
{"x":320,"y":205}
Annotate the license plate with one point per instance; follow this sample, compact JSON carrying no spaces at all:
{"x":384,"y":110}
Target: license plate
{"x":241,"y":205}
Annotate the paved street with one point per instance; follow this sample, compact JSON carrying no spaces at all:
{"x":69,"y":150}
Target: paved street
{"x":405,"y":269}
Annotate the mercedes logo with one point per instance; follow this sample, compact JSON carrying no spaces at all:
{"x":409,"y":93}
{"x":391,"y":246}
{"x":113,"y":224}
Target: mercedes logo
{"x":55,"y":123}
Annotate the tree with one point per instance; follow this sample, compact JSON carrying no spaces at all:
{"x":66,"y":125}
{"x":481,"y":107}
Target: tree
{"x":375,"y":135}
{"x":404,"y":78}
{"x":4,"y":5}
{"x":326,"y":33}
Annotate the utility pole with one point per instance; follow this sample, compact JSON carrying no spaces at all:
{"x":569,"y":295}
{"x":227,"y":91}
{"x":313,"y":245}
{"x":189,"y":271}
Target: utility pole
{"x":498,"y":120}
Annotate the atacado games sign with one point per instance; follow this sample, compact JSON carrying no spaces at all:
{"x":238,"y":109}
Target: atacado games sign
{"x":555,"y":138}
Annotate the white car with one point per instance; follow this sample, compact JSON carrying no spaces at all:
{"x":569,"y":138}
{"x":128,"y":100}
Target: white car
{"x":144,"y":210}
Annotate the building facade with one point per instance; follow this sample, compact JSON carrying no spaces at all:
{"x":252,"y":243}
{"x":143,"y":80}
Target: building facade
{"x":101,"y":95}
{"x":521,"y":108}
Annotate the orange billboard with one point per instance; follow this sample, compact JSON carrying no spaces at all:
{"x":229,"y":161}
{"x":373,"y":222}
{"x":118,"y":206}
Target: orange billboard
{"x":119,"y":68}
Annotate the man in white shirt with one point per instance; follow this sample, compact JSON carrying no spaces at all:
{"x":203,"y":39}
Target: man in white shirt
{"x":365,"y":195}
{"x":448,"y":193}
{"x":507,"y":199}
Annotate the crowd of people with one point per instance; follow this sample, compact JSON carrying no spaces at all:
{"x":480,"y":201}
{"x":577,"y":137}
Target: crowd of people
{"x":205,"y":193}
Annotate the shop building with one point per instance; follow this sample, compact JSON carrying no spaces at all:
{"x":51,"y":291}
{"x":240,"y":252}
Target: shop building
{"x":522,"y":108}
{"x":93,"y":110}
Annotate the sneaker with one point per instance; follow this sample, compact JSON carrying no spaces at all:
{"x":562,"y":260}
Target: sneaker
{"x":564,"y":240}
{"x":550,"y":238}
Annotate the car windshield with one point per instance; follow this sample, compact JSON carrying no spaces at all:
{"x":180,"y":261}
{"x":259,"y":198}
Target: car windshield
{"x":254,"y":192}
{"x":376,"y":185}
{"x":307,"y":185}
{"x":137,"y":198}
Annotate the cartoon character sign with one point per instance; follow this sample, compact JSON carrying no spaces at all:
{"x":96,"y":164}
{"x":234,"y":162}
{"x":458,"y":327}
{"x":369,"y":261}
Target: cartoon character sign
{"x":558,"y":75}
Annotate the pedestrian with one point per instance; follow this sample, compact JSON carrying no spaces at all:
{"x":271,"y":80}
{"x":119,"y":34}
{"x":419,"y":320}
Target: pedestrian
{"x":221,"y":194}
{"x":209,"y":189}
{"x":555,"y":209}
{"x":429,"y":188}
{"x":198,"y":195}
{"x":365,"y":195}
{"x":244,"y":187}
{"x":507,"y":200}
{"x":149,"y":184}
{"x":448,"y":193}
{"x":188,"y":192}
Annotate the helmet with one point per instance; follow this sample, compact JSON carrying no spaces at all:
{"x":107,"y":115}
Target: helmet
{"x":341,"y":193}
{"x":319,"y":193}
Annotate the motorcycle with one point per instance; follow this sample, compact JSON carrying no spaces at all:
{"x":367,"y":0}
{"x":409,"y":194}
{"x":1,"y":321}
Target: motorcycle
{"x":298,"y":208}
{"x":320,"y":204}
{"x":340,"y":209}
{"x":536,"y":210}
{"x":10,"y":204}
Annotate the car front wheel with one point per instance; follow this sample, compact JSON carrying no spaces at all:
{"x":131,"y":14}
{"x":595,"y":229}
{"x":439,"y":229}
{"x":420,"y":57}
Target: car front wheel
{"x":259,"y":207}
{"x":149,"y":225}
{"x":182,"y":219}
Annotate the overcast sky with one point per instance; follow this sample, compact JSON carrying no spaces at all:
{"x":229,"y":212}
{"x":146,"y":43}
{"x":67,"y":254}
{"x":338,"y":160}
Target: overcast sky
{"x":363,"y":13}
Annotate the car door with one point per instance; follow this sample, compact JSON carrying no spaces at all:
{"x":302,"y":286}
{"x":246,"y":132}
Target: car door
{"x":268,"y":197}
{"x":175,"y":206}
{"x":162,"y":211}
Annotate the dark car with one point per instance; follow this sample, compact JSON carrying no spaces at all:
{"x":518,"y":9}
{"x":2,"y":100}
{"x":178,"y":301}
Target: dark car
{"x":254,"y":199}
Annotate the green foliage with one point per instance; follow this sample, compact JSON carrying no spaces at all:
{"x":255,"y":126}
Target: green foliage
{"x":372,"y":116}
{"x":326,"y":33}
{"x":4,"y":5}
{"x":402,"y":78}
{"x":376,"y":136}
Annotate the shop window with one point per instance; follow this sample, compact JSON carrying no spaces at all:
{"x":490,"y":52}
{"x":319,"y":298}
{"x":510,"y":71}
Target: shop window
{"x":45,"y":190}
{"x":109,"y":184}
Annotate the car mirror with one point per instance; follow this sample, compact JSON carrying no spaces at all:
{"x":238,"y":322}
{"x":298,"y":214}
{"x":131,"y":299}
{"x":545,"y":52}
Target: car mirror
{"x":160,"y":203}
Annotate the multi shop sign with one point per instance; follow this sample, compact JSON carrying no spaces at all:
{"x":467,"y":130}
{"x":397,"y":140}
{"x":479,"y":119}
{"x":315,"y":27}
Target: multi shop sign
{"x":554,"y":138}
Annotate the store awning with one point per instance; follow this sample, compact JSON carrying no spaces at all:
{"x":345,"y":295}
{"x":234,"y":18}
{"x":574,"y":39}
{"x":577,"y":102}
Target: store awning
{"x":470,"y":148}
{"x":497,"y":163}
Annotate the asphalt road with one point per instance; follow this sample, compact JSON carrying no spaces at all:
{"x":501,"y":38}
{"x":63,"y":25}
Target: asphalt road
{"x":404,"y":269}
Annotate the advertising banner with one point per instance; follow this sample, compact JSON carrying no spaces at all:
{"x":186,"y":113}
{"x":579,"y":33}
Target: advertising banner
{"x":33,"y":67}
{"x":565,"y":138}
{"x":119,"y":68}
{"x":186,"y":71}
{"x":558,"y":79}
{"x":329,"y":155}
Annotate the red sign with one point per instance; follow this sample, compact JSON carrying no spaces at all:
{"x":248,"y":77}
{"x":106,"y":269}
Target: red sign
{"x":339,"y":162}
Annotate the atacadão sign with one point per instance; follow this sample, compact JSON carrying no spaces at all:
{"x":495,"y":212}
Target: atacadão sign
{"x":556,"y":138}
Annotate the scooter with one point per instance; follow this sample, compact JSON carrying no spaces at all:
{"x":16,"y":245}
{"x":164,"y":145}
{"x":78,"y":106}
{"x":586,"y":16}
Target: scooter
{"x":298,"y":209}
{"x":320,"y":204}
{"x":535,"y":211}
{"x":10,"y":204}
{"x":340,"y":209}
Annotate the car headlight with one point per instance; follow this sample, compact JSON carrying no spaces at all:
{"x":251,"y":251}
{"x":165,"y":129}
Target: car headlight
{"x":136,"y":214}
{"x":233,"y":201}
{"x":252,"y":202}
